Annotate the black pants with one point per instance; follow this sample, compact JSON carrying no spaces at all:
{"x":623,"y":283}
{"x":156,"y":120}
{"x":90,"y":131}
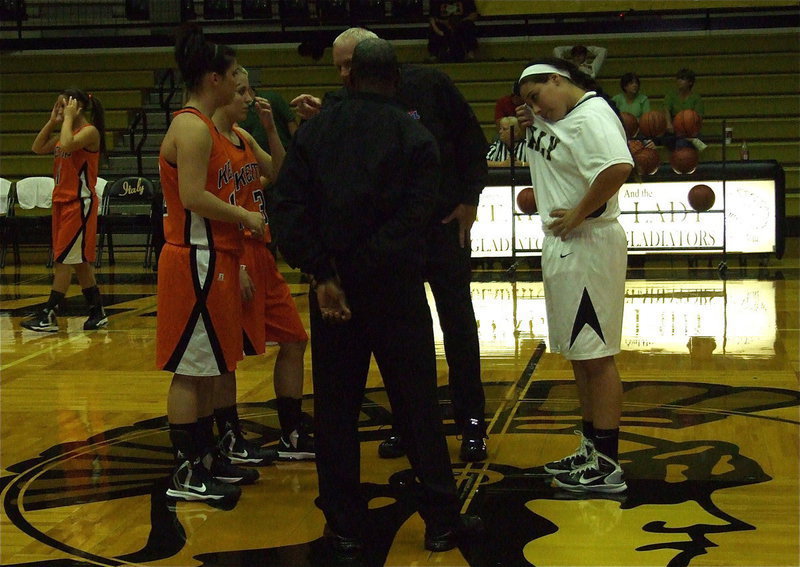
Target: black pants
{"x":455,"y":43}
{"x":448,"y":271}
{"x":390,"y":320}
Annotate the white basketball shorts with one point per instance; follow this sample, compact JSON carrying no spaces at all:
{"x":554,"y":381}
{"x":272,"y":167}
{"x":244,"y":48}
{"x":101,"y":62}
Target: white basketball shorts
{"x":584,"y":287}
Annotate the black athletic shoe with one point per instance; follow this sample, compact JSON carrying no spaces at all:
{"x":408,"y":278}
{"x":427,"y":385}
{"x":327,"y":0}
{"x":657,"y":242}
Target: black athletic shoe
{"x":240,"y":451}
{"x":299,"y":447}
{"x":469,"y":525}
{"x":573,"y":461}
{"x":97,"y":319}
{"x":225,"y":471}
{"x":343,"y":546}
{"x":191,"y":481}
{"x":473,"y":444}
{"x":392,"y":447}
{"x":44,"y":321}
{"x":599,"y":474}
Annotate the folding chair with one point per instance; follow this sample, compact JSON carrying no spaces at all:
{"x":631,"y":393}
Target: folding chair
{"x":31,"y":213}
{"x":126,"y":208}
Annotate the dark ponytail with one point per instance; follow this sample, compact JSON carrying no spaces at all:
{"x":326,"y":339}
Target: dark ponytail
{"x":92,"y":110}
{"x":195,"y":56}
{"x":578,"y":77}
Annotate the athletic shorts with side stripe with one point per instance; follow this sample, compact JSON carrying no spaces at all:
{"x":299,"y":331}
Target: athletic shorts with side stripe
{"x":584,"y":289}
{"x":74,"y":225}
{"x":198,"y":327}
{"x":271,"y":316}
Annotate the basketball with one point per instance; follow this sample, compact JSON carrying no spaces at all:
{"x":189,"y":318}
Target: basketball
{"x":526,"y":201}
{"x":635,"y":146}
{"x":701,"y":197}
{"x":687,"y":123}
{"x":630,"y":123}
{"x":684,"y":160}
{"x":653,"y":124}
{"x":647,"y":161}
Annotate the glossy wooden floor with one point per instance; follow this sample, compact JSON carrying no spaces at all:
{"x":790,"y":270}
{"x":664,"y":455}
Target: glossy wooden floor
{"x":709,"y":440}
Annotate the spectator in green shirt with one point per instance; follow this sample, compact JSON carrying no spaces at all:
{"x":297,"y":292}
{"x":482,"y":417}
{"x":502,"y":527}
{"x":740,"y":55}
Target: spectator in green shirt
{"x":285,"y":121}
{"x":682,"y":97}
{"x":630,"y":99}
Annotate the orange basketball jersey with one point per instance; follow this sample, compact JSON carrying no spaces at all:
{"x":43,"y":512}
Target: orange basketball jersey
{"x":247,"y":174}
{"x":182,"y":227}
{"x":75,"y":173}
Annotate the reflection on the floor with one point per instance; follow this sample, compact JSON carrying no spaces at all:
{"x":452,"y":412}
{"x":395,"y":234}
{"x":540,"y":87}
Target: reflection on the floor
{"x":727,"y":317}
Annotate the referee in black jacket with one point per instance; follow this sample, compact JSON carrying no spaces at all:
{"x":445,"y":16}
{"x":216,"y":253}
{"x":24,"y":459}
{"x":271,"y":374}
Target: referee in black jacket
{"x":430,"y":95}
{"x":355,"y":193}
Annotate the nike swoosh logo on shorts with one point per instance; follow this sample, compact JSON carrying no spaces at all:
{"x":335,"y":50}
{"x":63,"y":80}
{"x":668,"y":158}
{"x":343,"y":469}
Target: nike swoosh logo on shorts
{"x":565,"y":255}
{"x":201,"y":488}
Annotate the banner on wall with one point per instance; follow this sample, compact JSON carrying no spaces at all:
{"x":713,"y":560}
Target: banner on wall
{"x":656,"y":217}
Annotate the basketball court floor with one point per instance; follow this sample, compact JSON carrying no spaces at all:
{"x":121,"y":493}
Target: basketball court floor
{"x":709,"y":440}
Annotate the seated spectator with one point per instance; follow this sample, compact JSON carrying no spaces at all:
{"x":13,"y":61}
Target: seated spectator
{"x":506,"y":106}
{"x":500,"y":151}
{"x":588,"y":59}
{"x":630,"y":99}
{"x":682,"y":97}
{"x":282,"y":113}
{"x":452,"y":35}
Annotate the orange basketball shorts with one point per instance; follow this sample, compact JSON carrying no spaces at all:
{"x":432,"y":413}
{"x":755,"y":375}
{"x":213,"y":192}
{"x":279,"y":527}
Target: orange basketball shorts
{"x":271,"y":316}
{"x":74,"y":225}
{"x":199,"y":321}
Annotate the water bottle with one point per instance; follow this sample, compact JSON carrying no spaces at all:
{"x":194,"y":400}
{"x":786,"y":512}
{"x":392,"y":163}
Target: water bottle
{"x":744,"y":153}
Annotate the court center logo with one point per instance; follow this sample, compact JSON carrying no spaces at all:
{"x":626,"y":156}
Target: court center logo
{"x":687,"y":483}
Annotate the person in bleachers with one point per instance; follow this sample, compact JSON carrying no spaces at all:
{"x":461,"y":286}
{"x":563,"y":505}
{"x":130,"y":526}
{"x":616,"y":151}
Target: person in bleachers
{"x":452,"y":35}
{"x":630,"y":99}
{"x":500,"y":151}
{"x":506,"y":106}
{"x":682,"y":97}
{"x":588,"y":59}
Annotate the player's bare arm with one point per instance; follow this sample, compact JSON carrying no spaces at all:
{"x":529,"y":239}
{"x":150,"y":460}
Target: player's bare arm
{"x":605,"y":185}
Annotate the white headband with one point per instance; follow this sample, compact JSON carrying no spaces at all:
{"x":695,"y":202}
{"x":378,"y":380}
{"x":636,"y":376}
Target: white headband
{"x":543,"y":69}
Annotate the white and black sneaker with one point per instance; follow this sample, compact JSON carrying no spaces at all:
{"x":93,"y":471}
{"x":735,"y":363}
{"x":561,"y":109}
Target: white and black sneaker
{"x":43,"y":322}
{"x":97,"y":318}
{"x":192,"y":482}
{"x":241,"y":452}
{"x":599,"y":474}
{"x":299,"y":447}
{"x":224,"y":470}
{"x":573,"y":461}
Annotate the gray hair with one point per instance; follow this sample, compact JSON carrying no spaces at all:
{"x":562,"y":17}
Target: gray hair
{"x":355,"y":35}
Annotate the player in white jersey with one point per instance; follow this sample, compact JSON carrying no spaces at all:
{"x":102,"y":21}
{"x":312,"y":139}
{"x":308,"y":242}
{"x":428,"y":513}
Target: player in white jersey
{"x":579,"y":159}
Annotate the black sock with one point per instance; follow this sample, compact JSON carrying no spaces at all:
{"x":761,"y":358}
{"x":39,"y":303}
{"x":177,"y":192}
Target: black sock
{"x":227,"y":420}
{"x":289,"y":413}
{"x":607,"y":442}
{"x":204,"y":437}
{"x":182,"y":437}
{"x":588,"y":430}
{"x":55,"y":299}
{"x":93,"y":297}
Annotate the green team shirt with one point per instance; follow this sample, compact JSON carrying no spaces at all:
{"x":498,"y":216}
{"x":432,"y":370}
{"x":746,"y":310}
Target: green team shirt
{"x":282,"y":113}
{"x":674,"y":103}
